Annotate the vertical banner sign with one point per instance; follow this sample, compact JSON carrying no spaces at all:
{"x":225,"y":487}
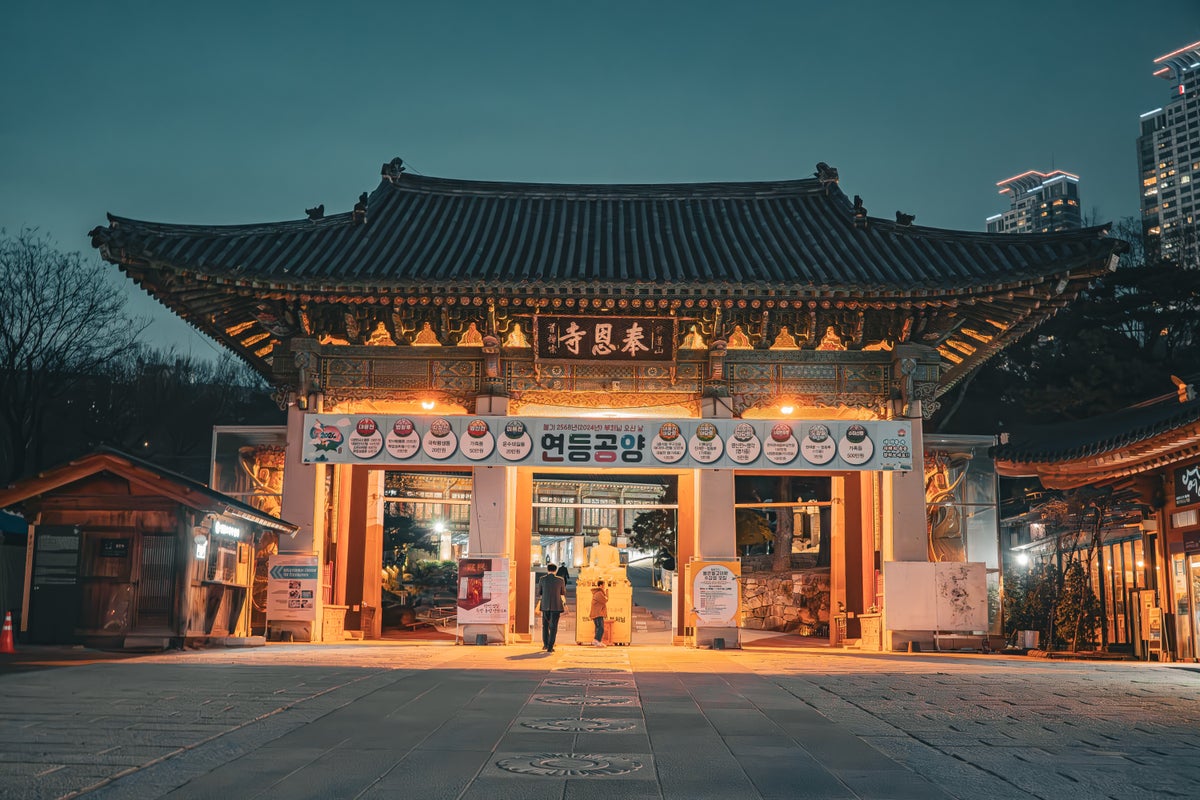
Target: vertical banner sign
{"x":715,"y":593}
{"x":292,"y":588}
{"x":482,"y":591}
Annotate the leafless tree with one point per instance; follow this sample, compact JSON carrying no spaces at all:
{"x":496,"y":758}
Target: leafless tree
{"x":61,"y":319}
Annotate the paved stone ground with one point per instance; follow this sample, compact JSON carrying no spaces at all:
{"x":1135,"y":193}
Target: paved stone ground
{"x":430,"y":721}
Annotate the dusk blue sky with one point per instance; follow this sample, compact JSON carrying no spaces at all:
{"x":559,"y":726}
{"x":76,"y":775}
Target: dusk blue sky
{"x":237,"y":112}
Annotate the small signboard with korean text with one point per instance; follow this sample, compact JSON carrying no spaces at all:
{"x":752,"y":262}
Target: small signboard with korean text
{"x":1187,"y":486}
{"x":716,"y":598}
{"x":292,"y":587}
{"x":611,"y":339}
{"x":114,"y":548}
{"x":482,"y":591}
{"x":617,"y":443}
{"x":1154,"y":633}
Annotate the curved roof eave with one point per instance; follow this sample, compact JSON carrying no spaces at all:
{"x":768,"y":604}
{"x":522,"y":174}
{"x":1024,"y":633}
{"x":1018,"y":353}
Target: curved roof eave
{"x":794,"y":234}
{"x":1125,"y":442}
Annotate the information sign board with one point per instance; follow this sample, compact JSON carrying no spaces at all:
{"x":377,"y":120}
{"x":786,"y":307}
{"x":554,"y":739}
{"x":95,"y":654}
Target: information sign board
{"x":292,"y":587}
{"x":716,"y":596}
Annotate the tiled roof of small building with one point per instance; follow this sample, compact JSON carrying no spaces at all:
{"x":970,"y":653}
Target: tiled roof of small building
{"x":1125,"y":442}
{"x":155,"y":478}
{"x":421,"y":230}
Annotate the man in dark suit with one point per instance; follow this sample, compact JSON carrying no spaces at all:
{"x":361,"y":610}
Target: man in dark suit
{"x":552,"y":594}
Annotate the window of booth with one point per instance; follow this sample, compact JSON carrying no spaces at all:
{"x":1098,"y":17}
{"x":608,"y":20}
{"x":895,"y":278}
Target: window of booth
{"x":226,"y":555}
{"x":222,"y":562}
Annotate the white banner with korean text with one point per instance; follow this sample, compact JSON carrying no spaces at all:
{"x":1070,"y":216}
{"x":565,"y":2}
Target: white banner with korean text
{"x":616,"y":443}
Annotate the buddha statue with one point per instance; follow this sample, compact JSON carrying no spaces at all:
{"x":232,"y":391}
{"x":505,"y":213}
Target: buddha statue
{"x":693,"y":340}
{"x":426,"y":337}
{"x":784,"y":341}
{"x":516,"y":337}
{"x":738,"y":340}
{"x":379,"y":336}
{"x":604,"y":562}
{"x":831,"y":341}
{"x":471,"y":337}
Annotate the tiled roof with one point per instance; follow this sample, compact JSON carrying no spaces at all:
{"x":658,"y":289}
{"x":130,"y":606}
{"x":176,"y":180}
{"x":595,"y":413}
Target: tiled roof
{"x":423,"y":231}
{"x":1122,"y":443}
{"x":161,"y":481}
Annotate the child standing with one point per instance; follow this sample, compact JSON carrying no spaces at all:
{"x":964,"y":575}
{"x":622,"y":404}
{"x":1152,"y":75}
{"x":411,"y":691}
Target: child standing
{"x":599,"y":611}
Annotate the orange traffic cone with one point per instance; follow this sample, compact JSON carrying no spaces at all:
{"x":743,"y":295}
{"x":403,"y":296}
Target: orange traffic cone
{"x":6,"y":638}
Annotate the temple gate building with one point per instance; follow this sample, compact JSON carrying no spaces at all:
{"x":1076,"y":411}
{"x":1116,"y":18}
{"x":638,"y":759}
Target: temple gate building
{"x":516,"y":335}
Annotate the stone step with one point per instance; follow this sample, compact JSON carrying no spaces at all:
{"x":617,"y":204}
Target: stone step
{"x":146,"y":643}
{"x":241,"y":641}
{"x":652,"y":626}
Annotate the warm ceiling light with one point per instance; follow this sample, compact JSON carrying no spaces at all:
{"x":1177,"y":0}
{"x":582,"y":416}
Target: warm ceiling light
{"x":786,"y":409}
{"x":427,"y":405}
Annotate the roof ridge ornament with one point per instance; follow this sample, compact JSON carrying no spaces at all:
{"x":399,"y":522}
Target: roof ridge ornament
{"x":1185,"y":391}
{"x":827,"y":175}
{"x":392,"y":170}
{"x":359,"y":215}
{"x":860,"y":213}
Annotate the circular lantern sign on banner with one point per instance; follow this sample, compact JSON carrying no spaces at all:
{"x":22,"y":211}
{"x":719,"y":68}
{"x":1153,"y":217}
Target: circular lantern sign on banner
{"x":668,"y":445}
{"x":743,"y":446}
{"x":856,"y":447}
{"x":366,"y":441}
{"x":479,"y":442}
{"x":705,"y":445}
{"x":402,"y":442}
{"x":515,"y":443}
{"x":782,"y":447}
{"x":818,"y":447}
{"x":440,"y":442}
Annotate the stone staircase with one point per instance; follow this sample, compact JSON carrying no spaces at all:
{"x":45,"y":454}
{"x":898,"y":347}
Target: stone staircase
{"x":646,"y":620}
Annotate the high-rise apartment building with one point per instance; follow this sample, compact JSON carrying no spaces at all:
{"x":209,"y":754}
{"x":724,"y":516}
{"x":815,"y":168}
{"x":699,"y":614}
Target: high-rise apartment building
{"x":1041,"y":202}
{"x":1169,"y":160}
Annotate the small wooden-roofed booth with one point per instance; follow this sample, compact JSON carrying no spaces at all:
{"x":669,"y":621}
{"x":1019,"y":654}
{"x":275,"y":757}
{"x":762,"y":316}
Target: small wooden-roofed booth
{"x":123,"y":553}
{"x":502,"y":303}
{"x":1148,"y":457}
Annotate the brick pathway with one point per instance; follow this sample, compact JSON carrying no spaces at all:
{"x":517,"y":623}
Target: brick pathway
{"x":374,"y":720}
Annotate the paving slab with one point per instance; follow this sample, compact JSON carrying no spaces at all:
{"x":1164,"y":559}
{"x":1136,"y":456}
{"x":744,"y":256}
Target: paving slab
{"x":435,"y":721}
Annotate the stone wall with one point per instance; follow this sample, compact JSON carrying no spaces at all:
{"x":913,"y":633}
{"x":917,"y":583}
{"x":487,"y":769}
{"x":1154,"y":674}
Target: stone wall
{"x":793,"y":602}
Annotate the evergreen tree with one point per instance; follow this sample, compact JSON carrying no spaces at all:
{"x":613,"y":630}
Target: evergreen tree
{"x":1078,"y":611}
{"x":1030,"y":599}
{"x":1116,"y":345}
